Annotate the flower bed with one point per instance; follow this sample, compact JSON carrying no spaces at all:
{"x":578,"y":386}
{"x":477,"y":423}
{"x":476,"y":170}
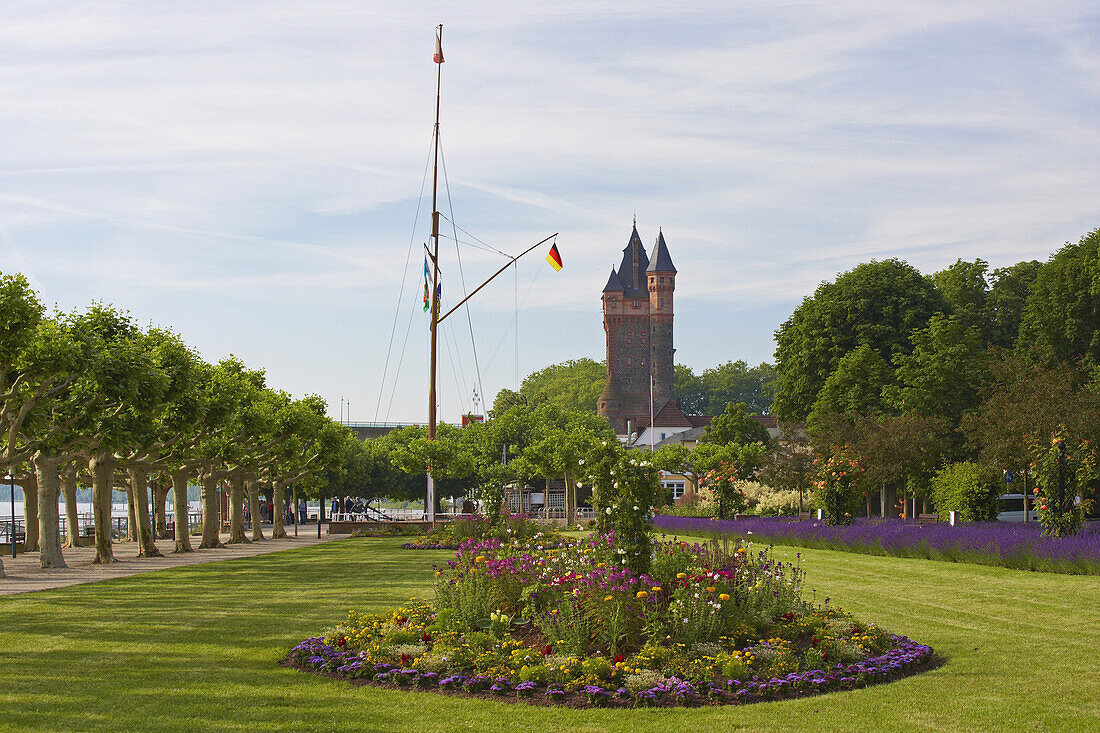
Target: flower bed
{"x":451,"y":535}
{"x":710,"y":624}
{"x":1007,"y":544}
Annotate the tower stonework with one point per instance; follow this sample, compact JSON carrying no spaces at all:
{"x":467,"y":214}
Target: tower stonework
{"x":637,"y":322}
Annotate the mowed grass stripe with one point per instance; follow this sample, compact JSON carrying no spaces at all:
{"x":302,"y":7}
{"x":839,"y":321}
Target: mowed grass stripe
{"x":196,"y":648}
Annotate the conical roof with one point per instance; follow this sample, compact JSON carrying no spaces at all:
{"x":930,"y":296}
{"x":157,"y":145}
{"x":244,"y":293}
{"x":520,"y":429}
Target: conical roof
{"x":614,"y":284}
{"x":634,"y":264}
{"x":661,"y":261}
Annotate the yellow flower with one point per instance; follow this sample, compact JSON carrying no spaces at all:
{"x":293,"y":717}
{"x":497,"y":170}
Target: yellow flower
{"x":656,"y":589}
{"x":711,"y":589}
{"x":601,"y":564}
{"x":681,"y":576}
{"x":641,"y":594}
{"x":479,"y":558}
{"x":723,"y":596}
{"x":608,"y":598}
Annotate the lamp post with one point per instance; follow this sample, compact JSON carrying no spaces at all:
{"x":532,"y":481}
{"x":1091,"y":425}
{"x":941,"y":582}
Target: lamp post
{"x":11,"y":527}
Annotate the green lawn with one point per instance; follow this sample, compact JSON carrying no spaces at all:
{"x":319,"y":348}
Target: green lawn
{"x":197,"y":649}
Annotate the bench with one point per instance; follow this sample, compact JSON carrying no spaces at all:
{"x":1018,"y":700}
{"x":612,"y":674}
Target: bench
{"x":928,"y":518}
{"x":806,"y":516}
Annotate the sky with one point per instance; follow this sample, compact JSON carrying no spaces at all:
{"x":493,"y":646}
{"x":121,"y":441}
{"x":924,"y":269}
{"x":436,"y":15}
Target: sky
{"x":252,"y":175}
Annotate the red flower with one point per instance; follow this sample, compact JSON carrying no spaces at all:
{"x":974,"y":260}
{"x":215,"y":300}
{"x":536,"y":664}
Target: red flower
{"x":546,"y":650}
{"x":341,"y":641}
{"x":401,"y":620}
{"x":405,"y":658}
{"x":619,"y":658}
{"x":425,"y":637}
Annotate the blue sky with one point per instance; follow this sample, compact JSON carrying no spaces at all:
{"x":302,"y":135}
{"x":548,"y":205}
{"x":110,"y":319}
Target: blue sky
{"x":249,"y":173}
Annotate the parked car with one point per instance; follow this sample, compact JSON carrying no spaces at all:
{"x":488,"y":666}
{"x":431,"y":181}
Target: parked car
{"x":1010,"y":508}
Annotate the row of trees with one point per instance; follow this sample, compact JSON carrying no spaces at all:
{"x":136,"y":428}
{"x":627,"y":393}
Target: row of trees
{"x":90,"y":399}
{"x":911,"y":373}
{"x":577,"y":383}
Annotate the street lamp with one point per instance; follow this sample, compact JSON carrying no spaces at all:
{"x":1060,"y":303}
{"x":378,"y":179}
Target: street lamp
{"x":11,"y":526}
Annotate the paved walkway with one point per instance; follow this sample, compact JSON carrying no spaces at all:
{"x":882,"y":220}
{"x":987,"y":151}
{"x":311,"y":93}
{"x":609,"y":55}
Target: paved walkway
{"x":24,"y":574}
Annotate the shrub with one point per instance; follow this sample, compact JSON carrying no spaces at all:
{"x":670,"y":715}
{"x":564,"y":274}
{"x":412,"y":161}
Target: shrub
{"x":967,"y":488}
{"x":769,"y":502}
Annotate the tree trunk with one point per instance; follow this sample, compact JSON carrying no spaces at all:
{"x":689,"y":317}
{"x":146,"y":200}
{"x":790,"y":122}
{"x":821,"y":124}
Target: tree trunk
{"x":160,"y":513}
{"x":30,"y":512}
{"x":139,"y":489}
{"x":570,"y":503}
{"x":131,"y":514}
{"x":102,"y":469}
{"x":49,"y":522}
{"x":72,"y":512}
{"x":236,"y":511}
{"x":211,"y":519}
{"x":253,"y":486}
{"x":179,"y":500}
{"x":278,"y":491}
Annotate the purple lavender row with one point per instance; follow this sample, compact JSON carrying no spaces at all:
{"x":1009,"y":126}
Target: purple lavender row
{"x":1009,"y":544}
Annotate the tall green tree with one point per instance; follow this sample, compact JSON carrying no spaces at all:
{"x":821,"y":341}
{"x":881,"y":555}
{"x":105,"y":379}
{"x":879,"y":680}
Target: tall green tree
{"x":573,"y":384}
{"x":735,"y":426}
{"x":855,"y":385}
{"x":1062,"y":313}
{"x":1006,"y":300}
{"x":944,"y":373}
{"x":877,"y":303}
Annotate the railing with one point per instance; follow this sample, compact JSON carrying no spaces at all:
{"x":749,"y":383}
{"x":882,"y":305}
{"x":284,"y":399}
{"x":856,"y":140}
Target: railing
{"x":580,"y":514}
{"x":8,"y":526}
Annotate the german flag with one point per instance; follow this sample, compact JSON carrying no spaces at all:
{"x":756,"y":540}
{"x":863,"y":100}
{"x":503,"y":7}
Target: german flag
{"x":554,"y":258}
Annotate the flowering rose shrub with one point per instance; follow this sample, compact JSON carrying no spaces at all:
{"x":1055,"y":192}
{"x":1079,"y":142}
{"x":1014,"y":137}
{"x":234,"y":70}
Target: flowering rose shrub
{"x":451,"y":535}
{"x":722,"y":481}
{"x":1060,"y":469}
{"x":709,"y":623}
{"x":624,"y":489}
{"x":834,"y":487}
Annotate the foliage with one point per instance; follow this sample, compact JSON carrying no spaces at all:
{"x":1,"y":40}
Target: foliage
{"x":944,"y":373}
{"x":855,"y":385}
{"x":1061,"y":468}
{"x":722,"y":482}
{"x":768,"y":501}
{"x":506,"y":529}
{"x":836,"y":486}
{"x":625,"y":487}
{"x":571,"y":385}
{"x":967,"y":488}
{"x":877,"y":303}
{"x":711,"y":390}
{"x":735,"y":426}
{"x":1062,"y":313}
{"x":710,"y":619}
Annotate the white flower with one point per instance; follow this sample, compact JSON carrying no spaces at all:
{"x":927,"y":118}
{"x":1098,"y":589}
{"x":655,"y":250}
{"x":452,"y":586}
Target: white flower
{"x":748,"y":533}
{"x":580,"y":462}
{"x":635,"y":507}
{"x":608,"y":510}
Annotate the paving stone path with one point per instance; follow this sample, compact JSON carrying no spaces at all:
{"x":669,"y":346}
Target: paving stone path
{"x":24,"y":574}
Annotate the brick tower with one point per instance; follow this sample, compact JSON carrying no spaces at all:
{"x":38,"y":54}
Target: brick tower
{"x":637,"y":321}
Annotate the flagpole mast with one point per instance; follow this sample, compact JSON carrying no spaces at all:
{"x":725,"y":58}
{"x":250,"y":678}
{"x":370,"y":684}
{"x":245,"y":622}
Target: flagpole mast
{"x":429,"y":503}
{"x":436,"y":319}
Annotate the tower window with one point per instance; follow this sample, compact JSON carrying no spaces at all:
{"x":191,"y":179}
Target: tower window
{"x":635,"y":303}
{"x":642,"y":336}
{"x":630,"y":361}
{"x":630,"y":337}
{"x":662,"y":302}
{"x":662,"y":279}
{"x":612,"y":302}
{"x":643,"y":361}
